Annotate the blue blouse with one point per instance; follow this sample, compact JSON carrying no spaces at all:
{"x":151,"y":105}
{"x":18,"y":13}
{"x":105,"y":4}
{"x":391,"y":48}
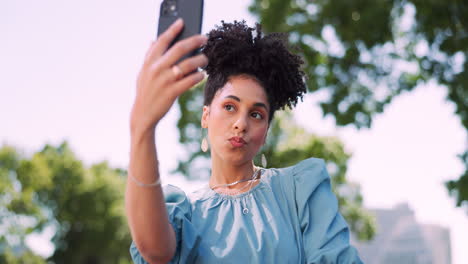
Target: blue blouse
{"x":292,"y":217}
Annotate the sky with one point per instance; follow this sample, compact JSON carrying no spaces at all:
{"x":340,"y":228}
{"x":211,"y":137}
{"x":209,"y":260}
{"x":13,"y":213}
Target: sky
{"x":68,"y":72}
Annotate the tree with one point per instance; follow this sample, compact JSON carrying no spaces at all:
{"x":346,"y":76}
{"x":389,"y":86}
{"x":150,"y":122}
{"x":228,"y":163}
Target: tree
{"x":286,"y":145}
{"x":54,"y":188}
{"x":8,"y":257}
{"x":364,"y":53}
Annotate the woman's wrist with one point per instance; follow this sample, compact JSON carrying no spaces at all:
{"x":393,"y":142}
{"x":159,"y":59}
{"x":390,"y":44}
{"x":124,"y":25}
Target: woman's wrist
{"x":141,"y":129}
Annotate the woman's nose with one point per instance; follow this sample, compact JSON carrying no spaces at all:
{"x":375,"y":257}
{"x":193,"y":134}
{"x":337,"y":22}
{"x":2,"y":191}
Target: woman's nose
{"x":241,"y":123}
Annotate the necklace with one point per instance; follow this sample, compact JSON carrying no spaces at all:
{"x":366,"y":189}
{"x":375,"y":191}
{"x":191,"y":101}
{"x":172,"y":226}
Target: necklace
{"x":246,"y":210}
{"x":238,"y":191}
{"x":254,"y":177}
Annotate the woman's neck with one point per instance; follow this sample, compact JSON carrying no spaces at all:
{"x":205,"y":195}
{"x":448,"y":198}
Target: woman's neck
{"x":225,"y":173}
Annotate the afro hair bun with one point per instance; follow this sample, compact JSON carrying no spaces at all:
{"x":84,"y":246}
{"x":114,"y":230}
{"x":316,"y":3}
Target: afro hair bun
{"x":234,"y":49}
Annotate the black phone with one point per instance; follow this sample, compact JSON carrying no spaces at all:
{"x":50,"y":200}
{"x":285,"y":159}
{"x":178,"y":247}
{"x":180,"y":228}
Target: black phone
{"x":191,"y":11}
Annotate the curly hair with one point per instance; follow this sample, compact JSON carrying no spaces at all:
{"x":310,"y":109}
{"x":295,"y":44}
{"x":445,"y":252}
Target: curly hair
{"x":232,"y":50}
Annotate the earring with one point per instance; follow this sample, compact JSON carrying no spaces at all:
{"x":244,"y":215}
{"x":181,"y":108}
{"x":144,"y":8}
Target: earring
{"x":204,"y":143}
{"x":264,"y":161}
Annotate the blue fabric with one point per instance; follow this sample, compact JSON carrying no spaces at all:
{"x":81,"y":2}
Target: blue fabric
{"x":293,"y":218}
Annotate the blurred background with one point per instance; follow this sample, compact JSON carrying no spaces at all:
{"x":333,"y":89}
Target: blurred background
{"x":387,"y":109}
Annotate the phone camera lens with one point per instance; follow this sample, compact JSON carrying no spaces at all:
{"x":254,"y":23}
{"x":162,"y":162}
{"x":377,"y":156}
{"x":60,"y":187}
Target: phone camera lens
{"x":170,"y":8}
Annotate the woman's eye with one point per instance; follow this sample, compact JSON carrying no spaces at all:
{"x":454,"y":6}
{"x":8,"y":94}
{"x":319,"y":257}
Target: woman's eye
{"x":229,"y":107}
{"x":257,"y":115}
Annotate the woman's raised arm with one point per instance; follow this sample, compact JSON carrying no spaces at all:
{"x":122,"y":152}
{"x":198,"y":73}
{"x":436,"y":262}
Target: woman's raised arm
{"x":159,"y":83}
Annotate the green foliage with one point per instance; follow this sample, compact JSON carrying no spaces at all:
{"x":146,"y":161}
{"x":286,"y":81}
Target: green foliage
{"x":54,"y":188}
{"x":459,"y":188}
{"x":286,"y":145}
{"x":8,"y":257}
{"x":364,"y":53}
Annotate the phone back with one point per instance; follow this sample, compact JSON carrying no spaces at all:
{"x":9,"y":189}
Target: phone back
{"x":191,"y":11}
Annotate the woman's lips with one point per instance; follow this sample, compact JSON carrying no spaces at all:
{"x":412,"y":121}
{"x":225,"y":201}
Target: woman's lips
{"x":237,"y":142}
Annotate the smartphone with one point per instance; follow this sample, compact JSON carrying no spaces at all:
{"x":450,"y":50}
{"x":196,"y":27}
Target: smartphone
{"x":191,"y":11}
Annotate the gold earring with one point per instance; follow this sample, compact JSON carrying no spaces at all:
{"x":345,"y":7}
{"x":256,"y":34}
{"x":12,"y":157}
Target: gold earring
{"x":204,"y":143}
{"x":264,"y":161}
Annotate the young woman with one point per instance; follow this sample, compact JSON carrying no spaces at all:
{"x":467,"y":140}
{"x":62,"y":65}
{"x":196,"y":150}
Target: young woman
{"x":245,"y":214}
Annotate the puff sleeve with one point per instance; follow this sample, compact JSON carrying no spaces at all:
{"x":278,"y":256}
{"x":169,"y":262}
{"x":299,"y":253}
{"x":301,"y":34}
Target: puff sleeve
{"x":325,"y":233}
{"x":179,"y":213}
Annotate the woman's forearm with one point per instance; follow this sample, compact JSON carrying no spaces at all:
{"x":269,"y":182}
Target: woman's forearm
{"x":145,"y":206}
{"x":160,"y":81}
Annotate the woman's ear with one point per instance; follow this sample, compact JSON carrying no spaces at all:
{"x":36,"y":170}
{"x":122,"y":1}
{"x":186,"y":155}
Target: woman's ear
{"x":205,"y":115}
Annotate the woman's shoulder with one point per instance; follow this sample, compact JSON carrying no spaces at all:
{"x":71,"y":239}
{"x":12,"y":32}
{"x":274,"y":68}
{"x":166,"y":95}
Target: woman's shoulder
{"x":308,"y":168}
{"x":173,"y":193}
{"x":303,"y":176}
{"x":177,"y":196}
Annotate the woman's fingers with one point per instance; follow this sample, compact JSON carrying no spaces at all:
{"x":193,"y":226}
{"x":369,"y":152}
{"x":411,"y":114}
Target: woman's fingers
{"x":184,"y":75}
{"x":188,"y":65}
{"x":160,"y":80}
{"x":164,"y":40}
{"x":181,"y":48}
{"x":187,"y":82}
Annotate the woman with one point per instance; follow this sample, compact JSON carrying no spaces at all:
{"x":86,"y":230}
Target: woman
{"x":246,"y":214}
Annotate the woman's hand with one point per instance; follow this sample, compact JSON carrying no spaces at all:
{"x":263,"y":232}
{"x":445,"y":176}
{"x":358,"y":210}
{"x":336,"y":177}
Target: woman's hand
{"x":161,"y":80}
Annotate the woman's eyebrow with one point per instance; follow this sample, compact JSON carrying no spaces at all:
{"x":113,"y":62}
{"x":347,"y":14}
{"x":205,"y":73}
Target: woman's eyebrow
{"x":259,"y":104}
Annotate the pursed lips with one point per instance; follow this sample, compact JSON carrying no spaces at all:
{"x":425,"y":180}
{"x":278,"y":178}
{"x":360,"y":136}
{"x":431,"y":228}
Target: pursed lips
{"x":237,"y":141}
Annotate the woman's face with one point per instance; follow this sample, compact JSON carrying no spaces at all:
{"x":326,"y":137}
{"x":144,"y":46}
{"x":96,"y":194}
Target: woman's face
{"x":237,"y":120}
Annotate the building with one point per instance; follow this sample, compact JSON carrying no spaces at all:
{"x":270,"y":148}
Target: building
{"x":402,"y":240}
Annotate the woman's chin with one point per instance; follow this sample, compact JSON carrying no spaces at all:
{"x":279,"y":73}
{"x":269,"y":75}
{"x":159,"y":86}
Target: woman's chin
{"x":236,"y":160}
{"x":234,"y":156}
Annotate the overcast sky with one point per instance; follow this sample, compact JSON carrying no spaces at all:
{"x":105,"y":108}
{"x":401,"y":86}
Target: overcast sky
{"x":68,"y":72}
